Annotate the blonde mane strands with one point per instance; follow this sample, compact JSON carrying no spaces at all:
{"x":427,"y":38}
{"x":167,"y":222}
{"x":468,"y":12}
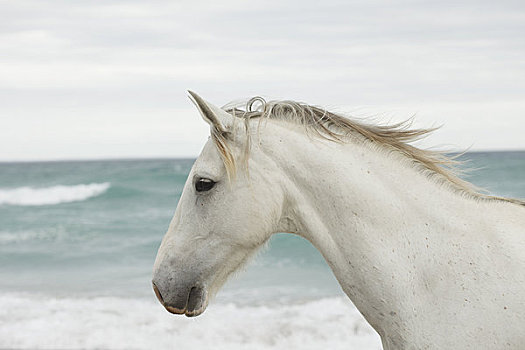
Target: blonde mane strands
{"x":336,"y":128}
{"x":220,"y":139}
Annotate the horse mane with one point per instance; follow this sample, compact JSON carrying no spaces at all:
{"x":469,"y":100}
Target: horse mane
{"x":335,"y":127}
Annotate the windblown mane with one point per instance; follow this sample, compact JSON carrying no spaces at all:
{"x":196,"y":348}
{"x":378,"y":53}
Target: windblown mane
{"x":336,"y":127}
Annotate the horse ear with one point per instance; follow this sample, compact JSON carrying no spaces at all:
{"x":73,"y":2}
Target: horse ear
{"x":211,"y":114}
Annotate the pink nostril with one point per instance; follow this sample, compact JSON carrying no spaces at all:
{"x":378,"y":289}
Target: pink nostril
{"x":157,"y":293}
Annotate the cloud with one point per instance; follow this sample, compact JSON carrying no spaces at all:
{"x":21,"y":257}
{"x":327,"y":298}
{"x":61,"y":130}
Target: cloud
{"x":129,"y":63}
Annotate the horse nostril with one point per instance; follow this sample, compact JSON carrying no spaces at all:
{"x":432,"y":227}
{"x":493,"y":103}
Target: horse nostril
{"x":157,"y":293}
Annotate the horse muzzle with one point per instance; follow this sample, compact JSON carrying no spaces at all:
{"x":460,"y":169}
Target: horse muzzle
{"x":189,"y":301}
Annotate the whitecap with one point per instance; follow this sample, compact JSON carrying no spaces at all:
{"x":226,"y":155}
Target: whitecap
{"x":49,"y":234}
{"x":51,"y":195}
{"x":136,"y":323}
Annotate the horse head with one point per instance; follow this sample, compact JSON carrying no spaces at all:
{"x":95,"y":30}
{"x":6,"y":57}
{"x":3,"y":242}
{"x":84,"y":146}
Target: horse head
{"x":224,"y":215}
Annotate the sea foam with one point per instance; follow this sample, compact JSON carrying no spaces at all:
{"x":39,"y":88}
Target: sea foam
{"x":40,"y":322}
{"x":51,"y":195}
{"x":49,"y":234}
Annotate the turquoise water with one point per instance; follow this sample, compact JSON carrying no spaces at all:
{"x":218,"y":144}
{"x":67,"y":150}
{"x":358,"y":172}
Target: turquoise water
{"x":105,"y":244}
{"x":75,"y":233}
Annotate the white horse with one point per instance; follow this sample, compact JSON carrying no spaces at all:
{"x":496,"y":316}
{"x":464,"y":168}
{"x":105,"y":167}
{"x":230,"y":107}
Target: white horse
{"x":429,"y":262}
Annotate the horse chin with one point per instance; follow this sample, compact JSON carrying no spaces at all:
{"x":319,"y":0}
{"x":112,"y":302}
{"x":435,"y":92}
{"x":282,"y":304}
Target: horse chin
{"x":194,"y":313}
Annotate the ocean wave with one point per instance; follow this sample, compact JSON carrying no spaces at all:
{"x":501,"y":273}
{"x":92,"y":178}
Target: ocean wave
{"x":53,"y":234}
{"x":51,"y":195}
{"x":126,"y":323}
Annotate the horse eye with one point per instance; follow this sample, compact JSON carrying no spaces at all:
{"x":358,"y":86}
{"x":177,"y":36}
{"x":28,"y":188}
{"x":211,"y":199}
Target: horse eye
{"x":203,"y":185}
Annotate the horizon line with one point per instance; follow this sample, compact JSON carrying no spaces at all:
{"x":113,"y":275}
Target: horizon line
{"x":152,"y":158}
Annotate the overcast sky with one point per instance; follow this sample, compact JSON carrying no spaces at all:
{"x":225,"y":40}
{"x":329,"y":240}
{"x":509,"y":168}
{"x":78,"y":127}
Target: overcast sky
{"x":108,"y":79}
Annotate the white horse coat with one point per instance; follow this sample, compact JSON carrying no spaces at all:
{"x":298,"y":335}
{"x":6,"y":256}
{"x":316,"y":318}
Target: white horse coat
{"x":429,"y":263}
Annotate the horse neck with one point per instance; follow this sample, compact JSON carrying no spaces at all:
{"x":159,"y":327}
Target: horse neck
{"x":372,"y":215}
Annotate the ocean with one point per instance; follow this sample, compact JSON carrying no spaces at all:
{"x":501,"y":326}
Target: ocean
{"x":77,"y":244}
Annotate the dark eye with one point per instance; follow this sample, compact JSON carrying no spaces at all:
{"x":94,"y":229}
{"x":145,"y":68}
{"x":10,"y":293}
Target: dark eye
{"x":203,"y":185}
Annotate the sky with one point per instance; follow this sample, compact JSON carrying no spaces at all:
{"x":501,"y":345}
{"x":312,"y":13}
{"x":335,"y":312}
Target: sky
{"x":108,"y":79}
